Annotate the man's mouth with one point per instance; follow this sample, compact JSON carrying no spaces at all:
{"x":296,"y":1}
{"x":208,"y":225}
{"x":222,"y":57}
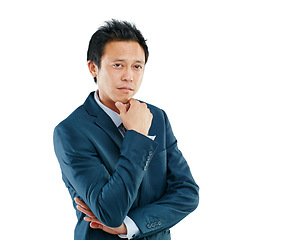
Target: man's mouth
{"x":125,"y":89}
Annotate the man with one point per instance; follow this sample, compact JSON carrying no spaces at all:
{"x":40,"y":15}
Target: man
{"x":118,"y":156}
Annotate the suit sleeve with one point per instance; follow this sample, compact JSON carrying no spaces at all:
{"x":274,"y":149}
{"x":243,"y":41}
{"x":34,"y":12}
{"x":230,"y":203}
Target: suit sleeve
{"x":108,"y":196}
{"x":180,"y":198}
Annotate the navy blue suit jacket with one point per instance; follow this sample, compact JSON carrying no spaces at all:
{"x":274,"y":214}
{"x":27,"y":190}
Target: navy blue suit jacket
{"x":134,"y":176}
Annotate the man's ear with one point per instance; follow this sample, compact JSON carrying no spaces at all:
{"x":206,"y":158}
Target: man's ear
{"x":93,"y":68}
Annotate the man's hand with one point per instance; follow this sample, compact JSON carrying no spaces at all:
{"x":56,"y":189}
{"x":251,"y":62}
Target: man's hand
{"x":95,"y":223}
{"x":135,"y":116}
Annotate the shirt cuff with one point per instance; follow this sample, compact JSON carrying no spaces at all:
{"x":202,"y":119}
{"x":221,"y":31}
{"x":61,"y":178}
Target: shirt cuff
{"x":132,"y":229}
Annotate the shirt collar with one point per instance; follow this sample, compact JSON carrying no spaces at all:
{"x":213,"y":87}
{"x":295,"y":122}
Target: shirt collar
{"x":115,"y":117}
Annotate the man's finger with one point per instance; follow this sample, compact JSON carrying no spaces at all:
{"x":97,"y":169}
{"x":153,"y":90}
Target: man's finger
{"x":92,"y":219}
{"x":121,"y":107}
{"x":96,"y":225}
{"x":85,"y":211}
{"x":81,"y":203}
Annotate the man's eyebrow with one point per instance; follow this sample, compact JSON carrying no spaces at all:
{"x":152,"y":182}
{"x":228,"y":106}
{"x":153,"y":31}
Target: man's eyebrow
{"x":124,"y":60}
{"x":118,"y":60}
{"x":140,"y":61}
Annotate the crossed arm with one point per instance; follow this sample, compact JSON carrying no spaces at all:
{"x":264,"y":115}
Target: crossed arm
{"x":181,"y":198}
{"x":95,"y":223}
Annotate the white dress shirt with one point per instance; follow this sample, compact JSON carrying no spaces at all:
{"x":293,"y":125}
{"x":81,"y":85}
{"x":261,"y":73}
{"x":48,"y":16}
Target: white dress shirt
{"x":132,"y":229}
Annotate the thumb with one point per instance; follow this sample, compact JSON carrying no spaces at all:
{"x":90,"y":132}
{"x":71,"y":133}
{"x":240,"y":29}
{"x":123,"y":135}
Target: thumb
{"x":121,"y":107}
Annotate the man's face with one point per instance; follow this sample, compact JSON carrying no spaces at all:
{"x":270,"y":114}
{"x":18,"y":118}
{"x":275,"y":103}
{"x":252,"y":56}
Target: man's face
{"x":121,"y":72}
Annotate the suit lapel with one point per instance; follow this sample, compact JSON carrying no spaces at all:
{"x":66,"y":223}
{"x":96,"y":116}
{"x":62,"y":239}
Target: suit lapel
{"x":103,"y":120}
{"x":110,"y":128}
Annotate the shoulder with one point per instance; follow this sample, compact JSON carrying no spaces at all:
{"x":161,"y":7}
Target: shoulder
{"x":79,"y":117}
{"x":156,"y":111}
{"x":73,"y":133}
{"x":160,"y":117}
{"x":73,"y":119}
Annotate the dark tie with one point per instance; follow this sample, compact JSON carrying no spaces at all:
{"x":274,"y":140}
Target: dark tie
{"x":122,"y":129}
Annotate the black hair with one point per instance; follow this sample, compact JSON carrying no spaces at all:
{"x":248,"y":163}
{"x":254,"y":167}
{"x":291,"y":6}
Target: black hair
{"x":113,"y":30}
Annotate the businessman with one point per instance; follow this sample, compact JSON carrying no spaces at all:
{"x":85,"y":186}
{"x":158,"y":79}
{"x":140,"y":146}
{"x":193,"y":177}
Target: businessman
{"x":118,"y":156}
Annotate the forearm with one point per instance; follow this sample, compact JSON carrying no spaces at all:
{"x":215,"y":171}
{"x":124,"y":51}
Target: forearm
{"x":164,"y":213}
{"x":180,"y":199}
{"x":118,"y":194}
{"x":109,"y":196}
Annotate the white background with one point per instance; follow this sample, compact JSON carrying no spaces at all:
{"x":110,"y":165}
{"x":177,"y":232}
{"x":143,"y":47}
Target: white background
{"x":226,"y":72}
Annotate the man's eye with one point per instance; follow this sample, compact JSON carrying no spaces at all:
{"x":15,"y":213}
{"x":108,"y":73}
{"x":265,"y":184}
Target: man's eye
{"x":117,"y":65}
{"x":138,"y":66}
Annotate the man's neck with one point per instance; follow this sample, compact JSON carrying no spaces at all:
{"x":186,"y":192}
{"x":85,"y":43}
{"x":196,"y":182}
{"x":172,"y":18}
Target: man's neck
{"x":112,"y":114}
{"x":108,"y":103}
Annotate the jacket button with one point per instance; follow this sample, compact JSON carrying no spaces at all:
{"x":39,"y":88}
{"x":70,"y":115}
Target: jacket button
{"x":149,"y":225}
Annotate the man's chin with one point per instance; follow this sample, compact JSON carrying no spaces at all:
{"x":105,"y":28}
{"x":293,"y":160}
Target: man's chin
{"x":124,"y":100}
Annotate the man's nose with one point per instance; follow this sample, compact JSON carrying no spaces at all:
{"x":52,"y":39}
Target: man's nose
{"x":128,"y":75}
